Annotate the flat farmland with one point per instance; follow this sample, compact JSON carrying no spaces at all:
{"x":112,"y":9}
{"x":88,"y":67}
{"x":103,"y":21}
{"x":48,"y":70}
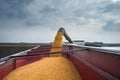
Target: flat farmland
{"x":12,"y":48}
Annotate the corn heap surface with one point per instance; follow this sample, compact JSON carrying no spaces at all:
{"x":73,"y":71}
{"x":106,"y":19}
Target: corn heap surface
{"x":57,"y":44}
{"x":52,"y":68}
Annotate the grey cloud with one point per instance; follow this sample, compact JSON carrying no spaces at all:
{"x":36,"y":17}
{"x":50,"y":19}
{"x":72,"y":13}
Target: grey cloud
{"x":13,"y":8}
{"x":36,"y":22}
{"x":65,"y":10}
{"x":112,"y":26}
{"x":48,"y":9}
{"x":77,"y":16}
{"x":113,"y":8}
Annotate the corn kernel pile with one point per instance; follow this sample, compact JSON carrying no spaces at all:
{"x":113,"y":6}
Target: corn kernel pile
{"x":52,"y":68}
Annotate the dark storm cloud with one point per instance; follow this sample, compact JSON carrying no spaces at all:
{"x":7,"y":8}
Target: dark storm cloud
{"x":62,"y":10}
{"x":36,"y":22}
{"x":48,"y":9}
{"x":81,"y":18}
{"x":112,"y":11}
{"x":43,"y":18}
{"x":113,"y":8}
{"x":13,"y":8}
{"x":112,"y":26}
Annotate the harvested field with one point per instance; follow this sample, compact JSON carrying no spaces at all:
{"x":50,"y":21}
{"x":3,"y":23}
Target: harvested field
{"x":11,"y":48}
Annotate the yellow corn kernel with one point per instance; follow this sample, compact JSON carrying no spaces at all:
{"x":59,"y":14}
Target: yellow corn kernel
{"x":52,"y":68}
{"x":57,"y":43}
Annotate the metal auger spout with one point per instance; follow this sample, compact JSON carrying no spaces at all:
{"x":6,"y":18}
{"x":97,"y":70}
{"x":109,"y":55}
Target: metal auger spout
{"x":57,"y":44}
{"x":65,"y":35}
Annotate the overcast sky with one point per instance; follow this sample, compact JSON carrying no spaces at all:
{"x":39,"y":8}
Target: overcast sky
{"x":39,"y":20}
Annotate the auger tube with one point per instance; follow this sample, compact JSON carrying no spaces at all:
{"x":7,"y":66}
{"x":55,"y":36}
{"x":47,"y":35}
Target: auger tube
{"x":58,"y":42}
{"x":65,"y":35}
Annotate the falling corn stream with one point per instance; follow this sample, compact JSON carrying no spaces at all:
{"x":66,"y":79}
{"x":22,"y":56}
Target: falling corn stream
{"x":57,"y":45}
{"x":54,"y":67}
